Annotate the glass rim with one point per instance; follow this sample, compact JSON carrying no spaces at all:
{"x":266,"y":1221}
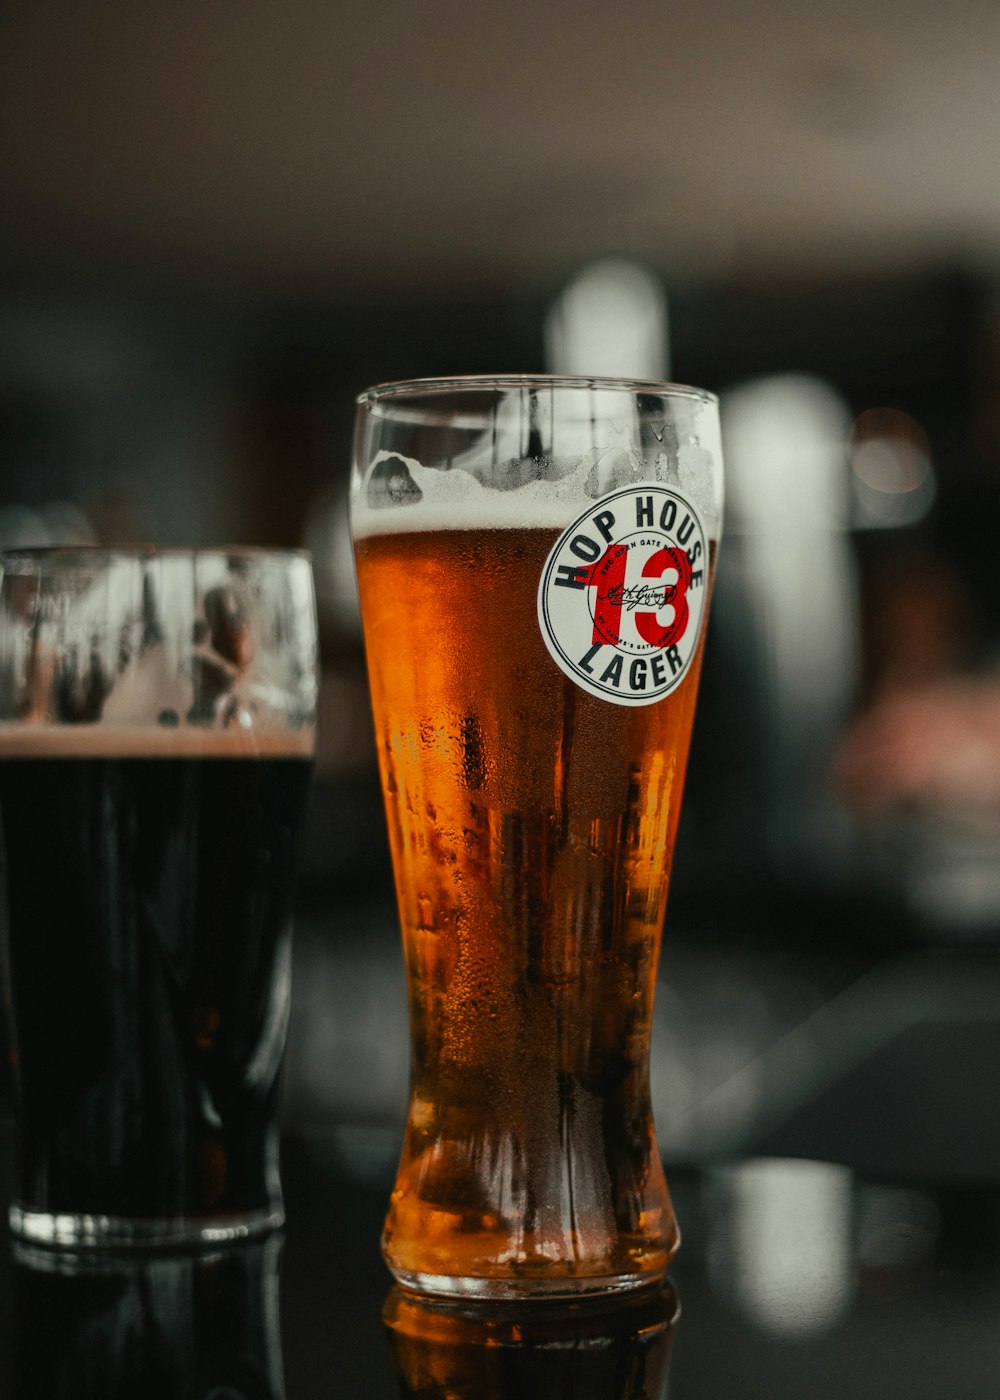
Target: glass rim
{"x":407,"y":388}
{"x":97,"y":553}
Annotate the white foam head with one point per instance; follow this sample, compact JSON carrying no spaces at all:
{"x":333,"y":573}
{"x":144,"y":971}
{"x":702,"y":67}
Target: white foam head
{"x":554,"y":493}
{"x":456,"y":500}
{"x":474,"y":471}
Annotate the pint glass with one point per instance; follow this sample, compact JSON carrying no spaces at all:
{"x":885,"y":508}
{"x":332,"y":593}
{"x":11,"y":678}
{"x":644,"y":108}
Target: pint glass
{"x":535,"y":559}
{"x":156,"y":733}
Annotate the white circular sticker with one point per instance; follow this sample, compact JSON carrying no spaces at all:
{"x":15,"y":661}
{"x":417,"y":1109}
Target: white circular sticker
{"x":622,"y":596}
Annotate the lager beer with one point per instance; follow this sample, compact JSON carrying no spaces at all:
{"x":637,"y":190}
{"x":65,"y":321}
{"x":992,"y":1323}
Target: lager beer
{"x":532,"y":822}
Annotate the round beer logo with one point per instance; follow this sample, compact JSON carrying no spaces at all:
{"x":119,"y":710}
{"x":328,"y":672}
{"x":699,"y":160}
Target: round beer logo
{"x":622,"y":595}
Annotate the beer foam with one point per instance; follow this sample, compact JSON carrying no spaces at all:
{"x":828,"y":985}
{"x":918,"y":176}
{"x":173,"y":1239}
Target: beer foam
{"x":30,"y":740}
{"x":455,"y":498}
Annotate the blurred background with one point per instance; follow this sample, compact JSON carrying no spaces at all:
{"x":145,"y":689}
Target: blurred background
{"x":220,"y":222}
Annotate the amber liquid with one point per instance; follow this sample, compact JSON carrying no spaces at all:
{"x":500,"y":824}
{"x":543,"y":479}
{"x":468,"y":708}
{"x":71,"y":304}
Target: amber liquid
{"x":532,"y":827}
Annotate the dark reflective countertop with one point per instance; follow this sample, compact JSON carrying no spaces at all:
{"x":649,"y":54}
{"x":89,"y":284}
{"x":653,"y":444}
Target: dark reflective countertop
{"x":796,"y":1278}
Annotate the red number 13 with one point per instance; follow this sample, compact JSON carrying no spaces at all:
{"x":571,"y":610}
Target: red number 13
{"x":607,"y":575}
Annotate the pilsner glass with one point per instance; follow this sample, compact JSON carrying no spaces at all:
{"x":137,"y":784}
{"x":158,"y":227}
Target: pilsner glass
{"x":156,"y":735}
{"x":534,"y":558}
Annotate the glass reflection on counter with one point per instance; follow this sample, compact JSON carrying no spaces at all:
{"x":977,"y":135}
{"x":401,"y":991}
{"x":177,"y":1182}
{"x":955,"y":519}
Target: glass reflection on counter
{"x":544,"y":1352}
{"x":114,"y":1327}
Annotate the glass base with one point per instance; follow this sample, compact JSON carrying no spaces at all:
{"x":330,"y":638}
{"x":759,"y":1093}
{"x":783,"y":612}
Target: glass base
{"x":67,"y":1231}
{"x":500,"y":1290}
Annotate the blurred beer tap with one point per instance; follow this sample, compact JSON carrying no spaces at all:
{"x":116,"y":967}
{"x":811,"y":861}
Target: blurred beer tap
{"x":787,"y":619}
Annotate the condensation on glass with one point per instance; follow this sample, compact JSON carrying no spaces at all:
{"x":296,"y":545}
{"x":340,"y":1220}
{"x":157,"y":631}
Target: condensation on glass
{"x":534,"y":558}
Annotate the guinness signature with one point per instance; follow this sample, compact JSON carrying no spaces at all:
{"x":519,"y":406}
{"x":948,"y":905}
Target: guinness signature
{"x":639,"y":595}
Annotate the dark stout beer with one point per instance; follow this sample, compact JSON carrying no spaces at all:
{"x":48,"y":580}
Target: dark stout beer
{"x":532,"y":827}
{"x":149,"y":880}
